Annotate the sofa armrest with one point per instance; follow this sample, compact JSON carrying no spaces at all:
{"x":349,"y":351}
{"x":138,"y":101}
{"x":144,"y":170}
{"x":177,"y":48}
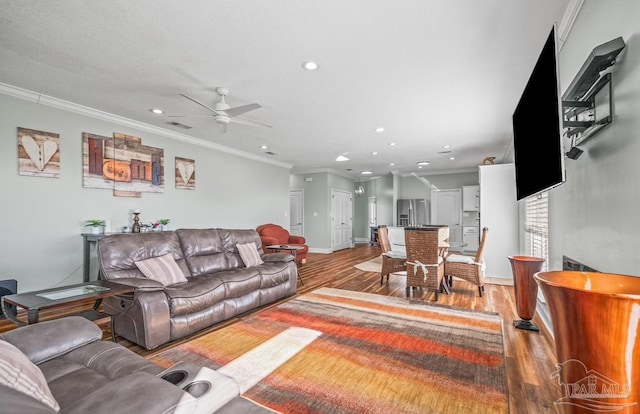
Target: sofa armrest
{"x":47,"y":340}
{"x":297,"y":239}
{"x":277,"y":257}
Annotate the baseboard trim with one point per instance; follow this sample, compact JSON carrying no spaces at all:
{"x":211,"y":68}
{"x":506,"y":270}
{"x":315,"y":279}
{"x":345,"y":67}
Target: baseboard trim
{"x":499,"y":281}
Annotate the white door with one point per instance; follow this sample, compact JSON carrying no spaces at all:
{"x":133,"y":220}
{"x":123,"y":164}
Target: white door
{"x":446,"y":209}
{"x":341,"y":219}
{"x":373,"y":212}
{"x":296,"y":213}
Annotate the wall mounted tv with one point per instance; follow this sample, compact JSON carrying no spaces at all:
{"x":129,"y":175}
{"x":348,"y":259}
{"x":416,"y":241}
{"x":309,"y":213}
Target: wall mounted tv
{"x":537,"y":127}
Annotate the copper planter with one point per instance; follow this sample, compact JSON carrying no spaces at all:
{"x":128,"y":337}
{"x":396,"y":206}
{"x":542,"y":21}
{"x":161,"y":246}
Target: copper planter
{"x":595,"y":320}
{"x":526,"y":289}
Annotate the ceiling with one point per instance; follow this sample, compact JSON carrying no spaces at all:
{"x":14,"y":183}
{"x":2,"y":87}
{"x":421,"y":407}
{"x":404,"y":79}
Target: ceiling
{"x":431,"y":73}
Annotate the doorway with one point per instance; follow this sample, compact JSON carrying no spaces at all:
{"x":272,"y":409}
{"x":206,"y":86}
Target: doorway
{"x":296,"y":212}
{"x":341,"y":219}
{"x":373,"y":212}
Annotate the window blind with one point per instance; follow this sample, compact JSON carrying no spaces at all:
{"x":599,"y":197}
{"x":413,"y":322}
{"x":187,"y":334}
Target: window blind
{"x":536,"y":227}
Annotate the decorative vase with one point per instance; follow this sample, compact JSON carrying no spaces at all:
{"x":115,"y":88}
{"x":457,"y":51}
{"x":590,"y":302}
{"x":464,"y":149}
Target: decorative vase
{"x":164,"y":227}
{"x":526,"y":289}
{"x":96,"y":230}
{"x":596,"y":324}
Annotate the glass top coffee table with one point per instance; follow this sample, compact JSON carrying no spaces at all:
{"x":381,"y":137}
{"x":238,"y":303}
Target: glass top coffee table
{"x":71,"y":295}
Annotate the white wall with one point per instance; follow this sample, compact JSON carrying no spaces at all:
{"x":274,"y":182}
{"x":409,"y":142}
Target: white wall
{"x":594,"y":215}
{"x":42,"y":218}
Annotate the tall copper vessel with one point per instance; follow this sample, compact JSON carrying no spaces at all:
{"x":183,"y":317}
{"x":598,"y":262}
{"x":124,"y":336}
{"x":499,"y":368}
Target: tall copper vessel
{"x":596,"y":325}
{"x":526,"y":289}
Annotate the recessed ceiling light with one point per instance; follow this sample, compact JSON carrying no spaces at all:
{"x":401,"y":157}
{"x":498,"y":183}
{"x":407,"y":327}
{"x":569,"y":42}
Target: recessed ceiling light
{"x":379,"y":129}
{"x":392,"y":164}
{"x":419,"y":166}
{"x":392,"y":144}
{"x":263,"y":147}
{"x":446,"y":146}
{"x":309,"y":65}
{"x":366,"y":173}
{"x":374,"y":153}
{"x":452,"y":158}
{"x":341,"y":158}
{"x":424,"y":163}
{"x":157,"y":111}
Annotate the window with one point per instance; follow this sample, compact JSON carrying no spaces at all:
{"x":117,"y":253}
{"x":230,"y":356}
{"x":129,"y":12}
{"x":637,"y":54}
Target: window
{"x":536,"y":228}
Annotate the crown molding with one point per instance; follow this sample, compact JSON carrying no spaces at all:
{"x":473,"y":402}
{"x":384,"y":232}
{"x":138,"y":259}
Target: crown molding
{"x":105,"y":116}
{"x":568,"y":19}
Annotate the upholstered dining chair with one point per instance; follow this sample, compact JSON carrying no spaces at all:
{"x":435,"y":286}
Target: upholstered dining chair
{"x":425,"y":265}
{"x":469,"y":268}
{"x":392,"y":261}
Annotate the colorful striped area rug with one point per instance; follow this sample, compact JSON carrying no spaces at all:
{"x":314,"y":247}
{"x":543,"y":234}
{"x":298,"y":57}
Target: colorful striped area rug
{"x":338,"y":351}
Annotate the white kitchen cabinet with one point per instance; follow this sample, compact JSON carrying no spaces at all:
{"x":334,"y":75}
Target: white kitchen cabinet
{"x":499,"y":212}
{"x":471,"y":198}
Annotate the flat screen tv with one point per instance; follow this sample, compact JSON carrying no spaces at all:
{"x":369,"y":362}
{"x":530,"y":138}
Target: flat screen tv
{"x":537,"y":127}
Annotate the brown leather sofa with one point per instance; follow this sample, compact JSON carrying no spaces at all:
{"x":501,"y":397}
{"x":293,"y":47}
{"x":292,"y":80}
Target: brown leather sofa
{"x":87,"y":375}
{"x":218,"y":286}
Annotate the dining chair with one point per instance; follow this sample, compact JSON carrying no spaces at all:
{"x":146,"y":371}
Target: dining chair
{"x":469,"y":268}
{"x":425,"y":265}
{"x":392,"y":261}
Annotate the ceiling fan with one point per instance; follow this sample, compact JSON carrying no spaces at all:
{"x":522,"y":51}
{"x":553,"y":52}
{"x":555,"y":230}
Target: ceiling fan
{"x":224,"y":114}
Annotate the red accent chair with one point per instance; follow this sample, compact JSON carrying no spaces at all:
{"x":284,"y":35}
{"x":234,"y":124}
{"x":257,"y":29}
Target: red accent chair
{"x":272,"y":234}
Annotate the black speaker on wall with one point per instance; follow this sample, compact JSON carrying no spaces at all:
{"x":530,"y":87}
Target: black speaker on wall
{"x":8,"y":287}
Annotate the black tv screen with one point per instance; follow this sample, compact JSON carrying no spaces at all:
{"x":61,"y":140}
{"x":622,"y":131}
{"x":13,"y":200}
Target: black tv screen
{"x":537,"y":127}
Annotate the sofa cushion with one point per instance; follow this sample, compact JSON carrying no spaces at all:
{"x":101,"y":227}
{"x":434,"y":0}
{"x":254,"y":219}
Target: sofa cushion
{"x":164,"y":269}
{"x":200,"y":293}
{"x":20,"y":374}
{"x":119,"y":252}
{"x":203,"y":250}
{"x":249,"y":254}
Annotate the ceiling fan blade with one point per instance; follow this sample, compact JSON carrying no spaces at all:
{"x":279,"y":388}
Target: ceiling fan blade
{"x":248,"y":121}
{"x":182,"y":116}
{"x":239,"y":110}
{"x":199,"y":103}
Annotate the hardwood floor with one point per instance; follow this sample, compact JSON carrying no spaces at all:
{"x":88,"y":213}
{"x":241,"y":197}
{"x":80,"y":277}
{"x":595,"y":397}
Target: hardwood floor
{"x":530,"y":355}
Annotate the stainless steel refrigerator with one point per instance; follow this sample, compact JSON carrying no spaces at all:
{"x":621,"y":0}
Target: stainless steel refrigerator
{"x":413,"y":212}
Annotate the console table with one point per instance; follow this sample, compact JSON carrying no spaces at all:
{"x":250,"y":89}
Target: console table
{"x":87,"y":239}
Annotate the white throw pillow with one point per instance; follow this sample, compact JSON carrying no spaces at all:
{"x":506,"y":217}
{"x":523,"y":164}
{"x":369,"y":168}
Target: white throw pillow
{"x":249,"y":254}
{"x":163,"y":269}
{"x":22,"y":375}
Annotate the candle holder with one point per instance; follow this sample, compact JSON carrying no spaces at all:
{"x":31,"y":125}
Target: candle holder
{"x":136,"y":222}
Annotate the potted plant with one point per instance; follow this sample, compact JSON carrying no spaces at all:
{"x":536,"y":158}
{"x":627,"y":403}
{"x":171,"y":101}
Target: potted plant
{"x":164,"y":224}
{"x":96,"y":225}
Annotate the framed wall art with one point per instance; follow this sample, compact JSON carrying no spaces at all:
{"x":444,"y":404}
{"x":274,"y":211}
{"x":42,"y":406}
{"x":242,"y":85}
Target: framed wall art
{"x":185,"y":173}
{"x":38,"y":153}
{"x":121,"y":163}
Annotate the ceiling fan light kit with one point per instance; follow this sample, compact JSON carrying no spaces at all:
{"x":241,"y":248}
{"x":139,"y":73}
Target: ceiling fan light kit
{"x":224,"y":114}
